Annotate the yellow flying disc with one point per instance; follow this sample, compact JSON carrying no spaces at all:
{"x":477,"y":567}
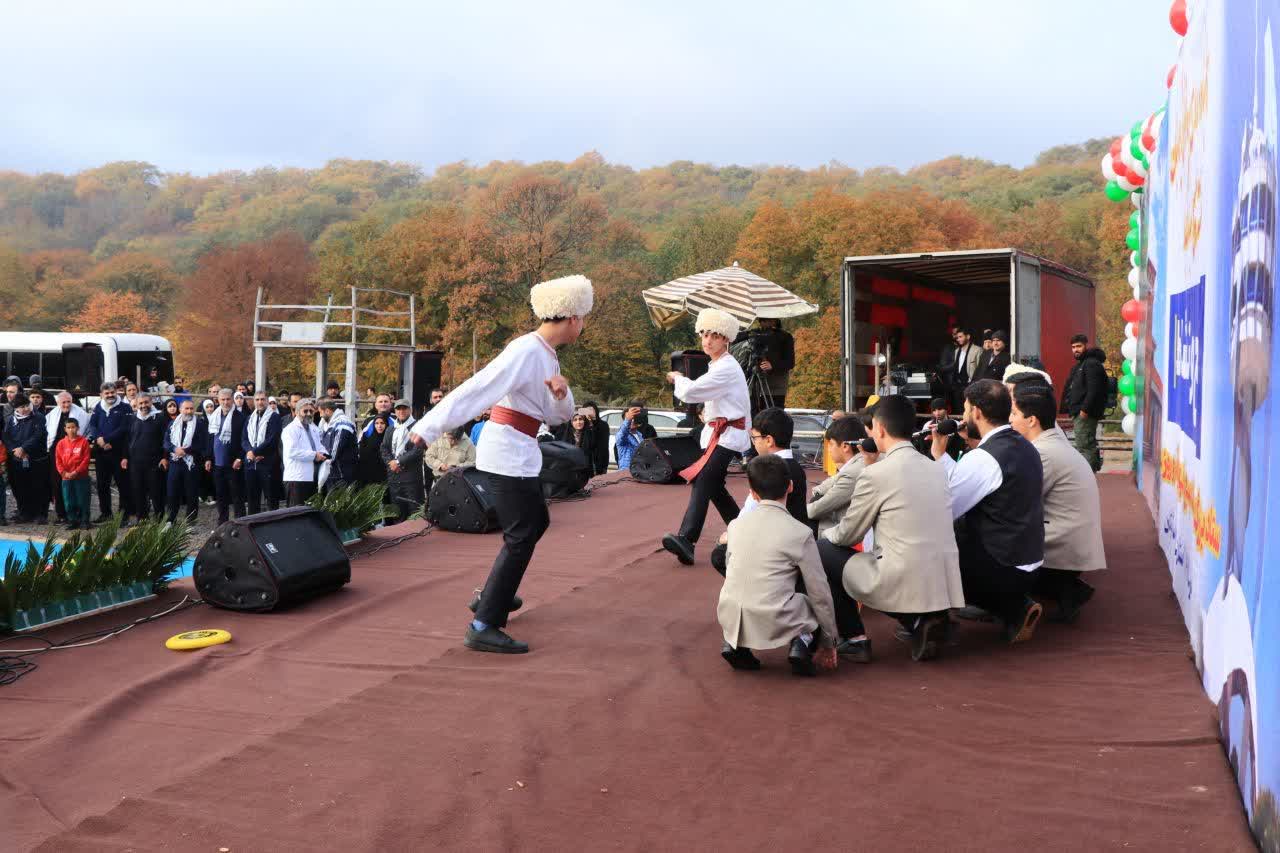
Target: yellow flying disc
{"x":197,"y":639}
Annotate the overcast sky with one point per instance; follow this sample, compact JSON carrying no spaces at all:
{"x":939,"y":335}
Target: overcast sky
{"x":203,"y":86}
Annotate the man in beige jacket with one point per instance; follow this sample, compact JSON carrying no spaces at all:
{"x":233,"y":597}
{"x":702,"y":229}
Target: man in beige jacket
{"x":830,"y":499}
{"x":913,"y":571}
{"x":451,"y":450}
{"x":1072,"y":506}
{"x":759,"y":607}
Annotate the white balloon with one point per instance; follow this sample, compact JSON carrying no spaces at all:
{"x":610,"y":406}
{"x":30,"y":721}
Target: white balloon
{"x":1124,"y":405}
{"x":1129,"y":424}
{"x":1135,"y":278}
{"x":1129,"y":349}
{"x":1137,"y":294}
{"x":1123,"y":181}
{"x":1130,"y":330}
{"x":1135,"y":200}
{"x":1108,"y":170}
{"x":1133,"y":260}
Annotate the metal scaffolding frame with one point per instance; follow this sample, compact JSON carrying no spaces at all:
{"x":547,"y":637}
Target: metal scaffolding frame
{"x":312,"y":335}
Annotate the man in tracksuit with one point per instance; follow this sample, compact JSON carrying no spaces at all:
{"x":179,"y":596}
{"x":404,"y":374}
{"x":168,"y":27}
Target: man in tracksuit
{"x":226,"y":432}
{"x":261,"y":448}
{"x":108,"y":434}
{"x":145,"y":459}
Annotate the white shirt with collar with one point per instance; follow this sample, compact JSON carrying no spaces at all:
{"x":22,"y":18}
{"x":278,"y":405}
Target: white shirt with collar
{"x":723,"y":391}
{"x":975,"y":476}
{"x":516,"y":379}
{"x":751,"y":503}
{"x":300,"y":442}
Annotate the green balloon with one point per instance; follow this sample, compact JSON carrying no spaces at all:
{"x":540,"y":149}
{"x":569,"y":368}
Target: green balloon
{"x":1125,"y":385}
{"x":1144,"y":160}
{"x":1136,"y":130}
{"x":1132,"y":240}
{"x":1135,"y":220}
{"x":1115,"y":192}
{"x":1126,"y":369}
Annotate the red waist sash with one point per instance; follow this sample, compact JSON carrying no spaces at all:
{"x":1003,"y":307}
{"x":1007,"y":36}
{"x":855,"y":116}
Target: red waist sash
{"x":719,"y":425}
{"x":516,"y":420}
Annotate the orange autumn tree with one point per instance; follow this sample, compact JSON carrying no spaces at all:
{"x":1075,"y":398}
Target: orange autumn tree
{"x":113,"y":312}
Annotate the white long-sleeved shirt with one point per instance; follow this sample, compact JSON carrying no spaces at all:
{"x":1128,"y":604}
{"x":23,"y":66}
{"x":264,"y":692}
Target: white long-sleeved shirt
{"x":975,"y":476}
{"x":751,"y":503}
{"x":300,"y":453}
{"x":516,"y":379}
{"x":723,"y":390}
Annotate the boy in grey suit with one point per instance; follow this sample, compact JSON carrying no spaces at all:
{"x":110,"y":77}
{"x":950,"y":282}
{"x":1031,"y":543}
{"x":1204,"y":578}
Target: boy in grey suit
{"x":831,"y":498}
{"x":759,"y":607}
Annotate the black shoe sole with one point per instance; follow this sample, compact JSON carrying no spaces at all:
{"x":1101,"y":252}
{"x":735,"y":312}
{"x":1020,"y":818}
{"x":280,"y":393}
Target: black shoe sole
{"x":477,"y":646}
{"x":669,"y":543}
{"x":1029,"y":621}
{"x":804,"y":667}
{"x":862,"y":655}
{"x":742,"y":662}
{"x":927,"y":645}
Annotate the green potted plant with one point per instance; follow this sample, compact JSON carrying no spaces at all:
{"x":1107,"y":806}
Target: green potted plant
{"x":355,"y":509}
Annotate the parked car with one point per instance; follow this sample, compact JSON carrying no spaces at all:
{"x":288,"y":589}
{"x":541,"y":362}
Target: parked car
{"x":664,"y":422}
{"x":806,"y":441}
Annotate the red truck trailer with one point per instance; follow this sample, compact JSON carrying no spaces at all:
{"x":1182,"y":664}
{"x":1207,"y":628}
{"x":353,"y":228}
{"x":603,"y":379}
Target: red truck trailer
{"x":896,"y":310}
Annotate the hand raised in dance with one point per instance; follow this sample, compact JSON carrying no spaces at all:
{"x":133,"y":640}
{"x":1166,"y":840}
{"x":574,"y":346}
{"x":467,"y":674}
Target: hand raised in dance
{"x":559,"y":386}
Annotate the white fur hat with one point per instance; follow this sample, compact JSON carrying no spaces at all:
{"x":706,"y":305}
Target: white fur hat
{"x":714,"y":320}
{"x":1014,"y":369}
{"x":570,"y":296}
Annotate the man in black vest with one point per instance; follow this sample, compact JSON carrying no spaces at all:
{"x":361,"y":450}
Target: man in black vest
{"x":145,"y":460}
{"x":995,"y":497}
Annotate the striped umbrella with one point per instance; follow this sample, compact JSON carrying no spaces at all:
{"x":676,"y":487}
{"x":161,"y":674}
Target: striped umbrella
{"x":743,"y":294}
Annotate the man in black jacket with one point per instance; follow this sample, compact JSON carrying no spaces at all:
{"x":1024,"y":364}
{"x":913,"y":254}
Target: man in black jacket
{"x":1000,"y":358}
{"x":600,"y":438}
{"x":144,"y":459}
{"x":260,"y":444}
{"x":1084,"y":397}
{"x":771,"y":433}
{"x":24,"y":439}
{"x":226,"y":456}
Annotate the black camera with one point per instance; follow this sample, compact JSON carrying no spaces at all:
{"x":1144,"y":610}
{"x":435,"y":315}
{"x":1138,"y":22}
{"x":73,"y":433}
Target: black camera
{"x":946,"y":426}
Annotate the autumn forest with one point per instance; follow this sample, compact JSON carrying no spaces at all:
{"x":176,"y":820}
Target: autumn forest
{"x":127,"y":247}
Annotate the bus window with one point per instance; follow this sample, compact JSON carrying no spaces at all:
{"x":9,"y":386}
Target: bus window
{"x":53,"y":370}
{"x":24,"y":364}
{"x":130,"y":363}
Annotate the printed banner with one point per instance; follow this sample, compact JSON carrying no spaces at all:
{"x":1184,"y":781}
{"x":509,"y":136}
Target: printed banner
{"x":1203,"y":450}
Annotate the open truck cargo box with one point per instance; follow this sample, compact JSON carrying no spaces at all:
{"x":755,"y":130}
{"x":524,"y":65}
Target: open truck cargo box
{"x":905,"y":304}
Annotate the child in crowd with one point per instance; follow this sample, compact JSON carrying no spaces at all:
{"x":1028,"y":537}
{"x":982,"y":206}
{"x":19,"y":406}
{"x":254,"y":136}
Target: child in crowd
{"x":72,"y":460}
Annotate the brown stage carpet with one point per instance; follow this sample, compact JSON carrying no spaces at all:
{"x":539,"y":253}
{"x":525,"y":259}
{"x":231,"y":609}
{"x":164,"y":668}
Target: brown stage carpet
{"x":358,"y":722}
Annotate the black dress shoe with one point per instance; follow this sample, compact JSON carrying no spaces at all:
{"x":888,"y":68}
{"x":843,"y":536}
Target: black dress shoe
{"x":1021,"y":630}
{"x":493,"y":639}
{"x":858,"y":651}
{"x":740,"y":658}
{"x":681,"y":547}
{"x":801,"y":657}
{"x":516,"y":603}
{"x":973,"y":613}
{"x":1073,"y":602}
{"x":102,"y":519}
{"x":928,"y":638}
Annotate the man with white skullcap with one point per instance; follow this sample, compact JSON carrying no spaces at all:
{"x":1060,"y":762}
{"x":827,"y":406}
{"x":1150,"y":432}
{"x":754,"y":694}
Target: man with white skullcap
{"x":727,"y":414}
{"x":523,"y":389}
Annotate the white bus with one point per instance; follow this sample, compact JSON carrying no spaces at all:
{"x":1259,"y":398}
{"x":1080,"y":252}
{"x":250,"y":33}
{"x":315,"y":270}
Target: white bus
{"x":80,"y":361}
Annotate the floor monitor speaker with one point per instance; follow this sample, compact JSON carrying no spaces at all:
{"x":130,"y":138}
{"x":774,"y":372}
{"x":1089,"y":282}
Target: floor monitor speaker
{"x":565,"y":469}
{"x":271,"y":560}
{"x":660,"y":460}
{"x":460,"y":502}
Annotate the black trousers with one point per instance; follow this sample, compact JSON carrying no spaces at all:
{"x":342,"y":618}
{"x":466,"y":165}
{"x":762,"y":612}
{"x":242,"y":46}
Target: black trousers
{"x":299,"y":491}
{"x":848,"y":620}
{"x":1057,"y":584}
{"x":258,"y":484}
{"x":30,"y":486}
{"x":109,"y":471}
{"x":182,"y":486}
{"x":720,"y":558}
{"x":709,"y":488}
{"x":999,"y":589}
{"x":522,"y":512}
{"x":227,"y":491}
{"x":55,"y":487}
{"x":147,"y":487}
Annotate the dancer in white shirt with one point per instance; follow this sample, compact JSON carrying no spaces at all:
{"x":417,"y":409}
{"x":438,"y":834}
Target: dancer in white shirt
{"x":727,"y":413}
{"x":524,"y":389}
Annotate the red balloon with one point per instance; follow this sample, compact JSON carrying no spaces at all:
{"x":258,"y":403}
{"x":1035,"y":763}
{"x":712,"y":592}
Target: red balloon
{"x":1178,"y":17}
{"x":1168,"y":81}
{"x":1136,"y":179}
{"x":1121,"y":170}
{"x":1115,"y":150}
{"x":1132,"y":311}
{"x":1148,"y":142}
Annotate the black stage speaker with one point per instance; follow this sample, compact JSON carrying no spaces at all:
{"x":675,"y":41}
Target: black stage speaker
{"x":272,"y":559}
{"x":565,"y":469}
{"x":426,"y":375}
{"x":692,"y":363}
{"x":660,"y":460}
{"x":460,"y":501}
